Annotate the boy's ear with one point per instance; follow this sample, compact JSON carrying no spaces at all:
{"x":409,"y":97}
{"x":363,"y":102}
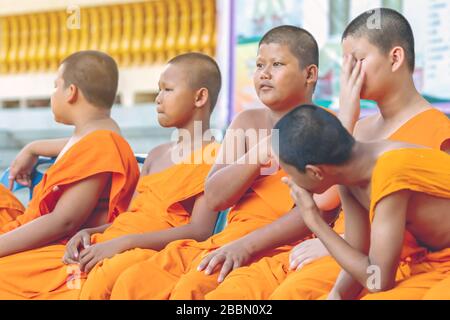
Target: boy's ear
{"x":315,"y":172}
{"x":312,"y":74}
{"x":397,"y":56}
{"x":201,"y":98}
{"x":72,"y":94}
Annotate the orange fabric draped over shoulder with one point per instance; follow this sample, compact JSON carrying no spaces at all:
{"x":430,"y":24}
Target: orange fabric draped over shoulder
{"x":172,"y":271}
{"x":98,"y":152}
{"x":42,"y":275}
{"x":271,"y":278}
{"x":423,"y":171}
{"x":10,"y":206}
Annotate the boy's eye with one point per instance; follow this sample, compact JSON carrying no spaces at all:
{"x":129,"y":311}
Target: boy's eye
{"x":168,"y":89}
{"x":277,"y":64}
{"x":259,"y":65}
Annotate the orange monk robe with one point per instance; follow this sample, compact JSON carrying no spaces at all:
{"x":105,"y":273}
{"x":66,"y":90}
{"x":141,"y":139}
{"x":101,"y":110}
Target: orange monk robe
{"x":101,"y":151}
{"x":440,"y":291}
{"x":172,"y":273}
{"x":156,"y":208}
{"x":21,"y":274}
{"x":421,"y":171}
{"x":40,"y":273}
{"x":271,"y":278}
{"x":10,"y":206}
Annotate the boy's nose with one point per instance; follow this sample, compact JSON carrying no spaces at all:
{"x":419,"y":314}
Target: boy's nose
{"x":158,"y":99}
{"x":265,"y":74}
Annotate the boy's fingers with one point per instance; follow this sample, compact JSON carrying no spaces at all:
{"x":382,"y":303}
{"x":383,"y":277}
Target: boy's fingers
{"x":213,"y":263}
{"x":226,"y":268}
{"x":298,"y":260}
{"x":71,"y":252}
{"x":204,"y":262}
{"x":304,"y":263}
{"x":84,"y":261}
{"x":86,"y":241}
{"x":68,"y":260}
{"x":85,"y":253}
{"x":11,"y":183}
{"x":90,"y":265}
{"x":360,"y":80}
{"x":355,"y":73}
{"x":346,"y":67}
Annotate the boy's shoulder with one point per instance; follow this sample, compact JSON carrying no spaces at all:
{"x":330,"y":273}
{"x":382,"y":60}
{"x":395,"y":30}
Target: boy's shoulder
{"x":251,"y":119}
{"x":158,"y":150}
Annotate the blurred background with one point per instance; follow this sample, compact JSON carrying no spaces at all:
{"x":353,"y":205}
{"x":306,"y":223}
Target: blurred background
{"x":35,"y":35}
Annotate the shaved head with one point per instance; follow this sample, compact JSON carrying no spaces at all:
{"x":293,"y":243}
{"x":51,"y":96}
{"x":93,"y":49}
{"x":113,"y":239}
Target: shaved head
{"x":95,"y":74}
{"x":202,"y":71}
{"x":310,"y":135}
{"x":301,"y":43}
{"x":395,"y":31}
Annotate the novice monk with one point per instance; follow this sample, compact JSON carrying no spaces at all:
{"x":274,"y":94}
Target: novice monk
{"x":169,"y":203}
{"x":395,"y":196}
{"x":388,"y":64}
{"x":286,"y":74}
{"x":96,"y":164}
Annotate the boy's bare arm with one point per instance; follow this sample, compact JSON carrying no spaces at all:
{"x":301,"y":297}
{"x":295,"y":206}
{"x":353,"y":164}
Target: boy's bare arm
{"x":235,"y":170}
{"x":382,"y":261}
{"x":286,"y":230}
{"x":22,"y":166}
{"x":47,"y":148}
{"x":346,"y":287}
{"x":200,"y":228}
{"x":353,"y":255}
{"x":73,"y":209}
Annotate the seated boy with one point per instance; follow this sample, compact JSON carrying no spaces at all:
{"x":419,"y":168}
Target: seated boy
{"x":96,"y":164}
{"x":395,"y":197}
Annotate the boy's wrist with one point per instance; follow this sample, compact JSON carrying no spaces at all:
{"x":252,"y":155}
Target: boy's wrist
{"x":250,"y":245}
{"x":31,"y":148}
{"x":348,"y":122}
{"x":128,"y":242}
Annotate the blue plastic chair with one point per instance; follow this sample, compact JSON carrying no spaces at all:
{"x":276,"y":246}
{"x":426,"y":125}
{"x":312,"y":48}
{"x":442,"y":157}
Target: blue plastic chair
{"x":221,"y":221}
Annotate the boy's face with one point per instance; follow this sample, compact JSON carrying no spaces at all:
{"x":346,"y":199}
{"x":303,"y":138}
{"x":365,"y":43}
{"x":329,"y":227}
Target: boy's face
{"x":307,"y":180}
{"x":378,"y":71}
{"x":58,"y":99}
{"x":176,"y":98}
{"x":279,"y":80}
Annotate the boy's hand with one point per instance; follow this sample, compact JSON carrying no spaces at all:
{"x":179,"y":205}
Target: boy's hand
{"x":262,"y":152}
{"x":265,"y":151}
{"x":22,"y":167}
{"x":98,"y":252}
{"x":306,"y":252}
{"x":304,"y":201}
{"x":352,"y":80}
{"x":79,"y":242}
{"x":231,"y":256}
